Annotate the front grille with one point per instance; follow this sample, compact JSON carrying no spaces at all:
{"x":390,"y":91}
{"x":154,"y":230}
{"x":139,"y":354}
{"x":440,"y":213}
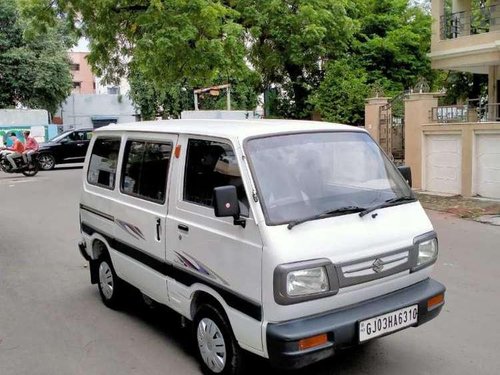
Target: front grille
{"x":373,"y":268}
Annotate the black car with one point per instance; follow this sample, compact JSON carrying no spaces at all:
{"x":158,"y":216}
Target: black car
{"x":68,"y":147}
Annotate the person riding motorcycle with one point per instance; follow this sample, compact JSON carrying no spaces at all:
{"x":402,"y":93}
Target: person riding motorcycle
{"x":30,"y":146}
{"x":15,"y":151}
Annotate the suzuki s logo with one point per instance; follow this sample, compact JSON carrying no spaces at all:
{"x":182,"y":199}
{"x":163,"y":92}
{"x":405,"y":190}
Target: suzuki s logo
{"x":378,"y":265}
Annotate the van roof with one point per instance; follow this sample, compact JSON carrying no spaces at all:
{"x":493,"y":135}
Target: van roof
{"x":228,"y":128}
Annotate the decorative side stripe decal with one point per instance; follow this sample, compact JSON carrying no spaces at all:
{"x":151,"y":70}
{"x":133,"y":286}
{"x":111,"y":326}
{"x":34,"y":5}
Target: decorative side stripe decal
{"x":130,"y":229}
{"x":97,"y":212}
{"x":250,"y":308}
{"x":196,"y":265}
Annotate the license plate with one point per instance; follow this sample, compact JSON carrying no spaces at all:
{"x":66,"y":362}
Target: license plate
{"x":390,"y":322}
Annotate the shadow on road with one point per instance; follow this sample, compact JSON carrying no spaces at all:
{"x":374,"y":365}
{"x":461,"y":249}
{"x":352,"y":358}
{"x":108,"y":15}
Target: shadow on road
{"x":168,"y":323}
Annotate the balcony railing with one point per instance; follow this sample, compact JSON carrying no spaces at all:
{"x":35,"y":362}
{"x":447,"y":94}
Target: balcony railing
{"x":466,"y":113}
{"x":475,"y":21}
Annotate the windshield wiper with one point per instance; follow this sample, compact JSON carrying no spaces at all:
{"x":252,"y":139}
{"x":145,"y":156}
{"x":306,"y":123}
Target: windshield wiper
{"x":329,"y":213}
{"x":387,"y":203}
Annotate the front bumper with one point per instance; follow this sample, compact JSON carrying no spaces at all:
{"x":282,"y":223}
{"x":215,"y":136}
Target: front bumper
{"x":341,"y":326}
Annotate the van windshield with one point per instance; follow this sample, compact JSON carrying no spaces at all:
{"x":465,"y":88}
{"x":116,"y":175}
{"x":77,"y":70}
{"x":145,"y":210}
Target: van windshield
{"x":302,"y":175}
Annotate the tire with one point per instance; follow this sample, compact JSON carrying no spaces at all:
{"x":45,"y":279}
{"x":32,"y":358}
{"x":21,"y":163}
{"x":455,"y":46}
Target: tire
{"x":31,"y":170}
{"x":216,"y":347}
{"x":111,"y":287}
{"x":46,"y":161}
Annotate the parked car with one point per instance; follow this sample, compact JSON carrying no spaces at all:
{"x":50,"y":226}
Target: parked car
{"x":288,"y":239}
{"x":68,"y":147}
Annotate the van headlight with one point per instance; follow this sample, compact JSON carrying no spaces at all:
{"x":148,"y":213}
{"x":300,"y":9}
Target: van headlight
{"x":304,"y":281}
{"x":308,"y":281}
{"x":426,"y":251}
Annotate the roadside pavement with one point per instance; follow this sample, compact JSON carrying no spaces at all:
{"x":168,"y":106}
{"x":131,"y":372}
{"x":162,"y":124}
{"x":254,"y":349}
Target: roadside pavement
{"x":477,"y":209}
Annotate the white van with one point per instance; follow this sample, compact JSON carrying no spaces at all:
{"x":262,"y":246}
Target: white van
{"x":287,"y":239}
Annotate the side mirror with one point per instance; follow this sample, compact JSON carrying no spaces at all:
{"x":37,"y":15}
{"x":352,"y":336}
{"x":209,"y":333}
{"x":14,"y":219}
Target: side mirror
{"x":406,"y":173}
{"x":226,"y":204}
{"x":64,"y":141}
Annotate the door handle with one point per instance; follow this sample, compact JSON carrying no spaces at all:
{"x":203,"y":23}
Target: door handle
{"x":158,"y":227}
{"x":183,"y":227}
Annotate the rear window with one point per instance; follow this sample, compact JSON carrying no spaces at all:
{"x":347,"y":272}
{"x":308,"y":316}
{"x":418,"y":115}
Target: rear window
{"x":145,"y":169}
{"x":103,"y":160}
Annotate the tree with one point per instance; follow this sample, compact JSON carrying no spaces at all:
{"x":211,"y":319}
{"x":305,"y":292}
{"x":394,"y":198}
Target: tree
{"x":204,"y":42}
{"x":342,"y":93}
{"x":34,"y":68}
{"x":389,"y":51}
{"x":393,"y":42}
{"x":289,"y":40}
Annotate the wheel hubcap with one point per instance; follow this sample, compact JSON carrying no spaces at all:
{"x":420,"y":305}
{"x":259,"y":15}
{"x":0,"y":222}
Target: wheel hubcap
{"x":46,"y":162}
{"x":211,"y":345}
{"x":106,"y":280}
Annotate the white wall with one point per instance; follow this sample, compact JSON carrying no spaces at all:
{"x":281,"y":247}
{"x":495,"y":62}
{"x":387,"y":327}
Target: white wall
{"x":77,"y":111}
{"x":24,"y":117}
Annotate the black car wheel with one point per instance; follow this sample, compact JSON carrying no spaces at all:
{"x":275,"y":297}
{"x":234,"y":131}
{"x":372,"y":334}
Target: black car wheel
{"x":46,"y":162}
{"x":30,"y":170}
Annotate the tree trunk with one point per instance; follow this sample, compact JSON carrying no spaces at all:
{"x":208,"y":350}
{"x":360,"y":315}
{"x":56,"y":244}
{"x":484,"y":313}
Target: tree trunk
{"x":300,"y":93}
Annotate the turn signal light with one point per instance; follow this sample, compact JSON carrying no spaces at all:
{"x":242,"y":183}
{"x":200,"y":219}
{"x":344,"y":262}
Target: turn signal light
{"x":312,"y":342}
{"x":434,"y":301}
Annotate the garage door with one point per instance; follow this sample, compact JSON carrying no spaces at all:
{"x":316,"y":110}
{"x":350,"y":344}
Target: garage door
{"x":443,"y":163}
{"x":487,"y":174}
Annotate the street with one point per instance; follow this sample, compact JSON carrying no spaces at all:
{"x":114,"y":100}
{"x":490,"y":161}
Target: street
{"x":52,"y":320}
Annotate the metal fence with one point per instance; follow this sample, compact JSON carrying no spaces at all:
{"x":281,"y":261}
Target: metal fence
{"x":476,"y":21}
{"x":466,"y":113}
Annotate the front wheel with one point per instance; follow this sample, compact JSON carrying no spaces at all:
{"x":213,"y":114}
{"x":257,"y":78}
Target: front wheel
{"x":216,"y":346}
{"x":46,"y":162}
{"x":109,"y":284}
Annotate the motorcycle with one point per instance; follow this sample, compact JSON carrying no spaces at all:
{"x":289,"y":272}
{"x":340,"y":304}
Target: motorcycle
{"x":28,"y":168}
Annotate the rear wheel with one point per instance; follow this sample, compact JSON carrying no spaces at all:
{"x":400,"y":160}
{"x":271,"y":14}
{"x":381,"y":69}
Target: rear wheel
{"x":110,"y":286}
{"x":216,"y":346}
{"x":46,"y":162}
{"x":31,"y":169}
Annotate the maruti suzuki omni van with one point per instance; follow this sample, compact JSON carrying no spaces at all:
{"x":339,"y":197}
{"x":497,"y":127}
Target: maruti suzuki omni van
{"x":287,"y":239}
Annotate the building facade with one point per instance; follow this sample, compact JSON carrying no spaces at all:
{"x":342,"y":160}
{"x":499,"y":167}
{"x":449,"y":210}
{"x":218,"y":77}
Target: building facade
{"x":454,"y":149}
{"x":466,"y":38}
{"x":84,"y":81}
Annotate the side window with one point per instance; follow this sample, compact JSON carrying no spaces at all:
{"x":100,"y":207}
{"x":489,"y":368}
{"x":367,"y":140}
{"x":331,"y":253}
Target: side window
{"x":145,"y":169}
{"x":83,"y":136}
{"x":210,"y":164}
{"x":102,"y":165}
{"x":74,"y":136}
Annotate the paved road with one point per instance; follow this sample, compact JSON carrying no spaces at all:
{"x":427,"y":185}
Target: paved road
{"x":52,"y":320}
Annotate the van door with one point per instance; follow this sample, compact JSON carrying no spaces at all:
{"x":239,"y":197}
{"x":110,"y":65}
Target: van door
{"x":211,"y":250}
{"x":140,"y":213}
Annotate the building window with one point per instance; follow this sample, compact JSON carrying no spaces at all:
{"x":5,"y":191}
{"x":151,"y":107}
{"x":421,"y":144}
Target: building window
{"x":145,"y":170}
{"x":77,"y":85}
{"x":114,"y":90}
{"x":102,"y":165}
{"x":75,"y":67}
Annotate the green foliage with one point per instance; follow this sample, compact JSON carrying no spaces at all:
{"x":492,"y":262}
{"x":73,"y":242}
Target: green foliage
{"x":389,"y":51}
{"x":462,"y":86}
{"x":159,"y":101}
{"x":393,"y":43}
{"x":287,"y":40}
{"x":305,"y":54}
{"x":342,"y":93}
{"x":34,"y":67}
